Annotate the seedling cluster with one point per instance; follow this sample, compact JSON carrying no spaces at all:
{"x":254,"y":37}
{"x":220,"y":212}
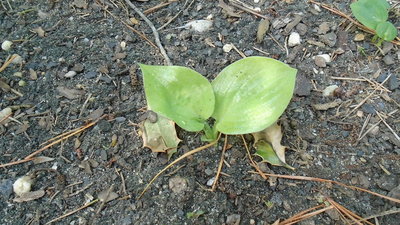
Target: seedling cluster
{"x":374,"y":15}
{"x":247,"y":96}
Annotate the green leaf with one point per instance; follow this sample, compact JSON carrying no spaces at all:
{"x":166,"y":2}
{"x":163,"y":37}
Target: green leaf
{"x":267,"y":153}
{"x":370,"y":12}
{"x":387,"y":31}
{"x":180,"y":94}
{"x":251,"y":94}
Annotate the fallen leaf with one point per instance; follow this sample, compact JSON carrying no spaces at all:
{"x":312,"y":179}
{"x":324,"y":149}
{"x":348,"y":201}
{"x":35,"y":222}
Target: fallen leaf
{"x":326,"y":106}
{"x":273,"y":135}
{"x":262,"y":30}
{"x":22,"y":128}
{"x":42,"y":159}
{"x":106,"y":196}
{"x":96,"y":114}
{"x":39,"y":31}
{"x":70,"y":93}
{"x":159,"y":135}
{"x":228,"y":9}
{"x":29,"y":196}
{"x":4,"y":114}
{"x":267,"y":153}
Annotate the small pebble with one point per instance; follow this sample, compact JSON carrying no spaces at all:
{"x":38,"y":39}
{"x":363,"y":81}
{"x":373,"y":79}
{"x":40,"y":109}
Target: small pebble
{"x":18,"y":74}
{"x":248,"y":52}
{"x":70,"y":74}
{"x":227,"y":47}
{"x":323,"y":28}
{"x":21,"y":83}
{"x":17,"y":59}
{"x":329,"y":39}
{"x":359,"y":37}
{"x":302,"y":28}
{"x":294,"y":39}
{"x":328,"y":91}
{"x":388,"y":60}
{"x":321,"y":60}
{"x":6,"y":45}
{"x":6,"y":188}
{"x":177,"y":184}
{"x":233,"y":219}
{"x":210,"y":182}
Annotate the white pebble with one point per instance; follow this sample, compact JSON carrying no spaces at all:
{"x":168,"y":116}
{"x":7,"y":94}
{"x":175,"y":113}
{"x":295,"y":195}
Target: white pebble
{"x":328,"y":91}
{"x":6,"y":45}
{"x":294,"y":39}
{"x":317,"y":8}
{"x":199,"y":25}
{"x":326,"y":57}
{"x":70,"y":74}
{"x":123,"y":45}
{"x":211,"y":181}
{"x":227,"y":47}
{"x":22,"y":185}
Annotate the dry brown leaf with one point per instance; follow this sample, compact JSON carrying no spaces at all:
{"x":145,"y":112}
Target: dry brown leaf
{"x":39,"y":31}
{"x":70,"y":93}
{"x":29,"y":196}
{"x":326,"y":106}
{"x":273,"y":135}
{"x":262,"y":30}
{"x":228,"y":9}
{"x":159,"y":135}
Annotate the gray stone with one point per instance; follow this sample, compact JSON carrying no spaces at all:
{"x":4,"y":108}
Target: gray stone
{"x":303,"y":86}
{"x":393,"y":82}
{"x":329,"y":39}
{"x":233,"y":219}
{"x":301,"y":28}
{"x":323,"y":28}
{"x":6,"y":188}
{"x":388,"y":60}
{"x":387,"y":182}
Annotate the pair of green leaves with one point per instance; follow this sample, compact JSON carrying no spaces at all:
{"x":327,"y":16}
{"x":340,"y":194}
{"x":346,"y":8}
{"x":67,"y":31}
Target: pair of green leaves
{"x":374,"y":15}
{"x":247,"y":96}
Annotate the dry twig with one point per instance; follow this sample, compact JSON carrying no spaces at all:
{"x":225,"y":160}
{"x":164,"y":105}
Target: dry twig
{"x":221,"y":163}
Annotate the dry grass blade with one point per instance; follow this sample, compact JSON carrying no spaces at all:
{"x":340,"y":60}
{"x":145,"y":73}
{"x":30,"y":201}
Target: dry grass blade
{"x":356,"y":218}
{"x":331,"y":182}
{"x":175,"y":162}
{"x":254,"y":164}
{"x":4,"y":66}
{"x":305,"y":214}
{"x":16,"y":162}
{"x":72,"y":212}
{"x":221,"y":163}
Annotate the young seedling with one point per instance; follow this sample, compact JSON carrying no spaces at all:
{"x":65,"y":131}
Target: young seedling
{"x":374,"y":15}
{"x":246,"y":97}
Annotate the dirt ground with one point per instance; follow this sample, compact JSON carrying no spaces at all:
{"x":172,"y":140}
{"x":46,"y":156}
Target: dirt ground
{"x":79,"y":62}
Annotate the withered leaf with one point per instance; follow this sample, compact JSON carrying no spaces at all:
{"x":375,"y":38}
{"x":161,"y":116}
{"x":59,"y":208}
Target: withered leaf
{"x":29,"y":196}
{"x":271,"y":135}
{"x":262,"y":30}
{"x":70,"y":93}
{"x":159,"y":136}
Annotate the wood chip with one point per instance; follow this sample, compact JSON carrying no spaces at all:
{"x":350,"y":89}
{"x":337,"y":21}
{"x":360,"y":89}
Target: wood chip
{"x":326,"y":106}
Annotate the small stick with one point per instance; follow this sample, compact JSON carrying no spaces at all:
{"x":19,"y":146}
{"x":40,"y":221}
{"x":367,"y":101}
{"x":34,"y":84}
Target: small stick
{"x":392,"y":211}
{"x":79,"y":191}
{"x":252,"y":161}
{"x":84,"y":105}
{"x":276,"y":41}
{"x":155,"y":33}
{"x":238,"y":51}
{"x":347,"y":78}
{"x":157,"y":7}
{"x":331,"y":182}
{"x":221,"y":163}
{"x":387,"y":125}
{"x":175,"y":162}
{"x":364,"y":126}
{"x":305,"y":215}
{"x":249,"y":10}
{"x":174,"y":17}
{"x":4,"y":66}
{"x":348,"y":213}
{"x":72,"y":212}
{"x":16,"y":162}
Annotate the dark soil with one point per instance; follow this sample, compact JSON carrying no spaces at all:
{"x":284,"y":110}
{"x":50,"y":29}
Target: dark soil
{"x":87,"y":39}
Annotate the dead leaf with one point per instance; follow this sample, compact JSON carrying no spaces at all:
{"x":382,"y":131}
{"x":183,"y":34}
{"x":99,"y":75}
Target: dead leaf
{"x":22,"y":128}
{"x":4,"y":114}
{"x":42,"y":159}
{"x":273,"y":135}
{"x":106,"y":196}
{"x":80,"y":4}
{"x":39,"y":31}
{"x":29,"y":196}
{"x":32,"y":74}
{"x":326,"y":106}
{"x":159,"y":136}
{"x":267,"y":153}
{"x":262,"y":30}
{"x":70,"y":93}
{"x":228,"y":9}
{"x":4,"y":86}
{"x":96,"y":114}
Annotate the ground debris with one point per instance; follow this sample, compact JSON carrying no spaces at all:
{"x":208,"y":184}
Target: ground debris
{"x":326,"y":106}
